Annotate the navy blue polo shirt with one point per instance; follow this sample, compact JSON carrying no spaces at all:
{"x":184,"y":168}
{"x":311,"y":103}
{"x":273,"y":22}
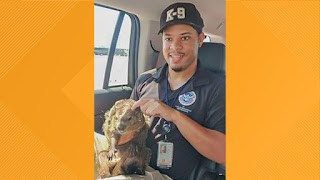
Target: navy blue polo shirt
{"x":202,"y":100}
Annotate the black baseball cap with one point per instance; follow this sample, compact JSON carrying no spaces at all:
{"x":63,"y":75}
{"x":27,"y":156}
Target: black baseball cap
{"x":183,"y":13}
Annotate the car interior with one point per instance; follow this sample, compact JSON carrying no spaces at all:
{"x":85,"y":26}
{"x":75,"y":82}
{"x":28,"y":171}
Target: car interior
{"x":129,"y":50}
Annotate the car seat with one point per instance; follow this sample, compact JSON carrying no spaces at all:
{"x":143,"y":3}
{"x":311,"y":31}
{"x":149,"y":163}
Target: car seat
{"x":212,"y":56}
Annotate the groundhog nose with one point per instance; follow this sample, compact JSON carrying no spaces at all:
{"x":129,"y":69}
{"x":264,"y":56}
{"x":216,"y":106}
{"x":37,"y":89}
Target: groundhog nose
{"x":121,"y":126}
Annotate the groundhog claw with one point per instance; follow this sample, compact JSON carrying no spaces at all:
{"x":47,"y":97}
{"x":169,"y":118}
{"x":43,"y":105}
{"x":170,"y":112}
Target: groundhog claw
{"x":112,"y":154}
{"x":140,"y":171}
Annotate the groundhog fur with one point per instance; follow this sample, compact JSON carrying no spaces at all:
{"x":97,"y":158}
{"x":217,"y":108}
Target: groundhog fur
{"x":131,"y":157}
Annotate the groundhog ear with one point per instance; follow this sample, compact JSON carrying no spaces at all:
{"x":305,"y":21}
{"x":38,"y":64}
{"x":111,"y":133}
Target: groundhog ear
{"x":137,"y":110}
{"x":138,"y":113}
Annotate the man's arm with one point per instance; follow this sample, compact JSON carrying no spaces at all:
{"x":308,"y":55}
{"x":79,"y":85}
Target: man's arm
{"x":209,"y":143}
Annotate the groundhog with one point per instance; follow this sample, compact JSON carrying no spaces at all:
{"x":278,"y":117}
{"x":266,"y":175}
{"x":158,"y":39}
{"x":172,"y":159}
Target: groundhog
{"x":131,"y":157}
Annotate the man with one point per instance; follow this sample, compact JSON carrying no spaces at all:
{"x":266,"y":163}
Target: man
{"x":186,"y":101}
{"x":163,"y":149}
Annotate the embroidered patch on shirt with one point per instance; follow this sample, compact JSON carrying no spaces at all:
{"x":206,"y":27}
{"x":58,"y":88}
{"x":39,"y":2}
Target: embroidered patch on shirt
{"x":183,"y":109}
{"x":187,"y":98}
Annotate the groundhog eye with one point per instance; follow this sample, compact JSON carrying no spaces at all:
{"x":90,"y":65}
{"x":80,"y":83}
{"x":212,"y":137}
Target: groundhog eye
{"x":129,"y":118}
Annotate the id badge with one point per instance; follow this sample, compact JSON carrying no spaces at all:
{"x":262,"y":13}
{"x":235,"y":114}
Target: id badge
{"x":165,"y":155}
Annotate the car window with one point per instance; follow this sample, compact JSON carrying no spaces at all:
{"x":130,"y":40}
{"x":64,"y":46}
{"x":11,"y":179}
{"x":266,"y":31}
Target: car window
{"x":119,"y":70}
{"x":105,"y":20}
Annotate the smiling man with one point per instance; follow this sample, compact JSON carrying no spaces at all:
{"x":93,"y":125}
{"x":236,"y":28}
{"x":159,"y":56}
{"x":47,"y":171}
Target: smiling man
{"x":186,"y":101}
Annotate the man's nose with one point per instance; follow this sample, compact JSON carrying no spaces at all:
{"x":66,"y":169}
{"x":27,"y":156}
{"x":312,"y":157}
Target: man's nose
{"x":176,"y":45}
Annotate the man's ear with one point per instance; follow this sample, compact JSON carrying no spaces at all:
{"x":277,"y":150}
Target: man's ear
{"x":200,"y":39}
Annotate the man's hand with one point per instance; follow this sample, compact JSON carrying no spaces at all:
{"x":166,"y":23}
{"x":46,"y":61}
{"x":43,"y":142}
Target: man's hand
{"x":156,"y":108}
{"x":201,"y":138}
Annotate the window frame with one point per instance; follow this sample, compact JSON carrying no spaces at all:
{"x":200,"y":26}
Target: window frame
{"x":133,"y":48}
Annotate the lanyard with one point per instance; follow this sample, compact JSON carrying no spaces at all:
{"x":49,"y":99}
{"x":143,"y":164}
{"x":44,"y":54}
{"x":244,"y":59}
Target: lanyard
{"x":167,"y":125}
{"x":180,"y":89}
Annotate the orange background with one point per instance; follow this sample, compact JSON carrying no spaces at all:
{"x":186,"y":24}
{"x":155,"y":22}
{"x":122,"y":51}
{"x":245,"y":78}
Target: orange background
{"x":46,"y":99}
{"x":46,"y":89}
{"x":273,"y":90}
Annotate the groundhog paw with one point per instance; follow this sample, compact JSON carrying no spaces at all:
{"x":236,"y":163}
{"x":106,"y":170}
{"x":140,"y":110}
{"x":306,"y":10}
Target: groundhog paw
{"x":112,"y":154}
{"x":140,"y":172}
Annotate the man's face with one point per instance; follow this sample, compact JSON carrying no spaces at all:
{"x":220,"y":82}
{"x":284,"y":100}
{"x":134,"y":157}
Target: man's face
{"x":180,"y":46}
{"x":163,"y":148}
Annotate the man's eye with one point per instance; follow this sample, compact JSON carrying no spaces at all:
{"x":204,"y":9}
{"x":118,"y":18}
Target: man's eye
{"x":168,"y":39}
{"x":185,"y":38}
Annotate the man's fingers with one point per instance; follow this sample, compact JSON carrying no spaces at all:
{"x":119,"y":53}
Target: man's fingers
{"x":148,"y":106}
{"x":139,"y":103}
{"x":150,"y":109}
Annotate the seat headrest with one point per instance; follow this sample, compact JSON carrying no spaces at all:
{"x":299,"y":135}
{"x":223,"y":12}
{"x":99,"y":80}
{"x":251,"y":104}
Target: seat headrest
{"x":213,"y":56}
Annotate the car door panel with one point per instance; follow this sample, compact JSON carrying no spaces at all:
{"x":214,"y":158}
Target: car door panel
{"x":104,"y":99}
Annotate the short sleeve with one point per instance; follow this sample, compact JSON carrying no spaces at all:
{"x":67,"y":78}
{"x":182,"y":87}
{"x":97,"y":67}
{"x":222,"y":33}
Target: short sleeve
{"x":140,"y":83}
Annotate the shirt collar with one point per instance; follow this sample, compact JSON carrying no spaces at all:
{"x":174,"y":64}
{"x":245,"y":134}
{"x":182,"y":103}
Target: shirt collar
{"x":160,"y":73}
